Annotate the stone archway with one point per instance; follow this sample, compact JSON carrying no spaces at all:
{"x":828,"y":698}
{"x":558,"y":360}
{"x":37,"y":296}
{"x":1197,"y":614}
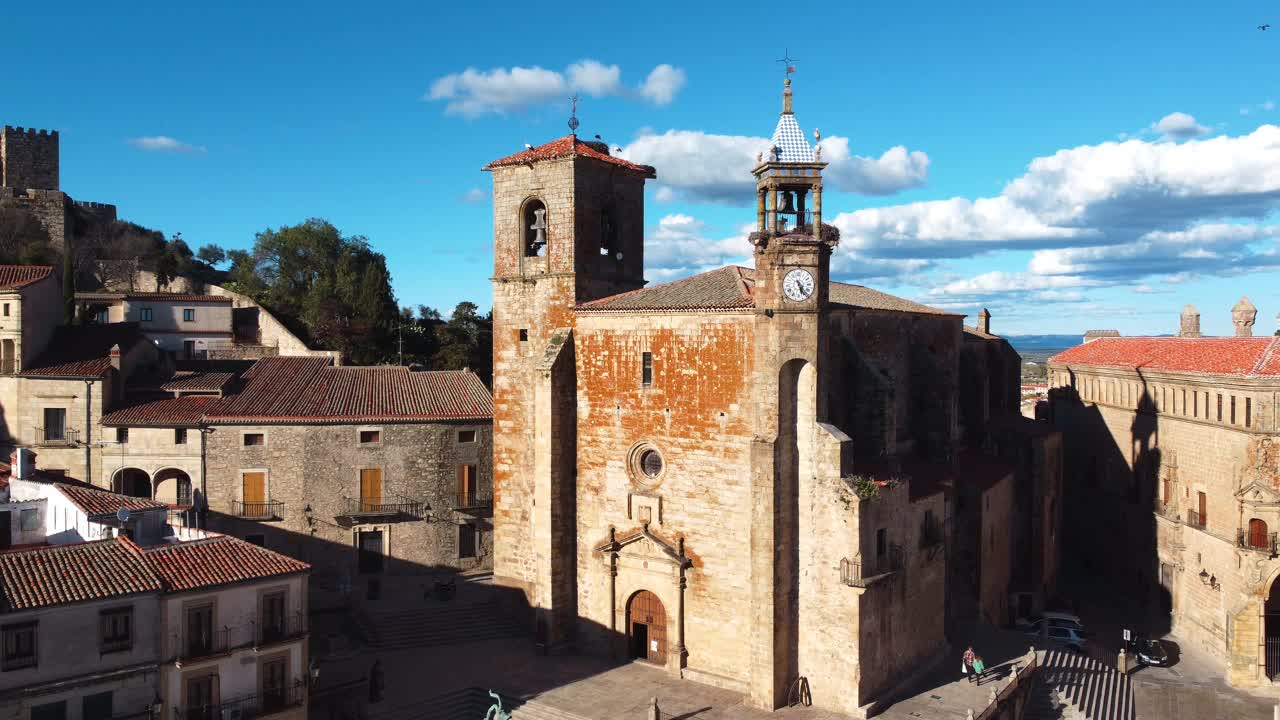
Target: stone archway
{"x":173,"y":487}
{"x":133,"y":482}
{"x":647,"y":628}
{"x":1271,"y":632}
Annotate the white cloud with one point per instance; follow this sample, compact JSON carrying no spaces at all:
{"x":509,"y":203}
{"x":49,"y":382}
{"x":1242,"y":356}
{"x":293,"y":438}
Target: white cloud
{"x":664,"y":194}
{"x":595,"y":78}
{"x":475,"y":195}
{"x":1209,"y":248}
{"x":717,"y":168}
{"x":164,"y":143}
{"x":663,"y":83}
{"x":1179,"y":126}
{"x":499,"y":91}
{"x":678,"y":247}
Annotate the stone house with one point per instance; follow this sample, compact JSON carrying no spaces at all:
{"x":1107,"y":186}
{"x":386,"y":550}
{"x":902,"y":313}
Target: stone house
{"x":187,"y":326}
{"x":708,"y":474}
{"x":1171,"y":453}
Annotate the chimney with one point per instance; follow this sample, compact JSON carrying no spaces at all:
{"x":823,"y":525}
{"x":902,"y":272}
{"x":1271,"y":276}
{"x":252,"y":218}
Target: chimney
{"x":984,"y":321}
{"x":1242,"y":316}
{"x":1189,"y":325}
{"x":115,"y":356}
{"x":1091,"y":335}
{"x":22,"y":464}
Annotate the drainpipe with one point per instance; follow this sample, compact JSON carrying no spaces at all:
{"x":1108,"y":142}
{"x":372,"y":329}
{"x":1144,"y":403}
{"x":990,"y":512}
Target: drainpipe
{"x":88,"y":430}
{"x":201,"y":507}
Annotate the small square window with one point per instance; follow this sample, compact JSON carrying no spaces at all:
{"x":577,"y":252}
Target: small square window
{"x":466,"y":436}
{"x":19,"y":647}
{"x":254,"y":439}
{"x":646,"y":369}
{"x":122,"y":435}
{"x":468,"y":539}
{"x":180,"y":436}
{"x":370,"y":437}
{"x":29,"y":520}
{"x":524,"y":335}
{"x":188,"y":315}
{"x":144,"y":314}
{"x":115,"y":630}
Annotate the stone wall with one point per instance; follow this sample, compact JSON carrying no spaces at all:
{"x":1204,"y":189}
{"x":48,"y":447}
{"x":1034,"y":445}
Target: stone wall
{"x":28,"y":158}
{"x":318,"y":466}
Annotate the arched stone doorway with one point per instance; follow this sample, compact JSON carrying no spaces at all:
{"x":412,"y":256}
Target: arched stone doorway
{"x":132,"y":482}
{"x":647,"y":628}
{"x":173,"y":487}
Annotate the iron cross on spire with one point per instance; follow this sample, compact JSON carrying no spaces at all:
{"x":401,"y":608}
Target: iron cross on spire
{"x":786,"y":61}
{"x":573,"y":114}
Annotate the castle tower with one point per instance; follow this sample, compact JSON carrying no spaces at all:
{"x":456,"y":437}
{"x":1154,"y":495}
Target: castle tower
{"x":792,"y":258}
{"x":28,"y":159}
{"x":568,"y":222}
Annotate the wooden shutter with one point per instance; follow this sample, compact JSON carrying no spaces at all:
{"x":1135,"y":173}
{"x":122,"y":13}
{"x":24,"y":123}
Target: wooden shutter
{"x":1204,"y":502}
{"x":467,"y":488}
{"x":1257,"y":533}
{"x":255,"y":488}
{"x":370,"y":488}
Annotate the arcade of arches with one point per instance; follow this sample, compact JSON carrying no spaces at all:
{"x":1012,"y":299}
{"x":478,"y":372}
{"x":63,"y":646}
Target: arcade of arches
{"x":169,"y":485}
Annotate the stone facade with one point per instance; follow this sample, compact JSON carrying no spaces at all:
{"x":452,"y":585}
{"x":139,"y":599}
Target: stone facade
{"x":318,"y":467}
{"x":29,"y":178}
{"x":1179,"y":467}
{"x":28,"y":158}
{"x":678,"y":480}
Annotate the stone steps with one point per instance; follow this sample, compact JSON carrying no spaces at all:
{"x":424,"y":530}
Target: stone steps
{"x":1089,"y":688}
{"x":436,"y":625}
{"x":470,"y":704}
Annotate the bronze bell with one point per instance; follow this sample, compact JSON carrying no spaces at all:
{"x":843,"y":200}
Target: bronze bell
{"x":788,"y":202}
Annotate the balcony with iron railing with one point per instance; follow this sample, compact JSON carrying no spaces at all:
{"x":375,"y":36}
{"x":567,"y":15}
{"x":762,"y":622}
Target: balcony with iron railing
{"x":1262,"y":542}
{"x":473,"y":500}
{"x":863,"y":574}
{"x":269,"y":702}
{"x":202,"y":643}
{"x":383,"y":506}
{"x":193,"y":645}
{"x":283,"y":628}
{"x":260,"y":510}
{"x":56,"y":436}
{"x":1196,"y":520}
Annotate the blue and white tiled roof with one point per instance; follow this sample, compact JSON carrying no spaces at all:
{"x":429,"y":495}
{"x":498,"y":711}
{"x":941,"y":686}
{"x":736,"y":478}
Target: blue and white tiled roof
{"x":790,"y":140}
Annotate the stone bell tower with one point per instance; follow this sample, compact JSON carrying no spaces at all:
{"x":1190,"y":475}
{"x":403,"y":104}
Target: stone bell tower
{"x":568,"y":225}
{"x":793,"y":259}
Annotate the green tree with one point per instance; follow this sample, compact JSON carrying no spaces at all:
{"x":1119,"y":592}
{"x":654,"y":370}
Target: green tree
{"x":466,"y":341}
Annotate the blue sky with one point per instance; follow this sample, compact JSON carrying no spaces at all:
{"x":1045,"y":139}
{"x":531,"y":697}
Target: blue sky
{"x":1068,"y":165}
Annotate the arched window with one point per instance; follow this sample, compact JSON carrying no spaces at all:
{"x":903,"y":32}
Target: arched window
{"x":533,"y":226}
{"x":1258,"y":534}
{"x":609,"y":234}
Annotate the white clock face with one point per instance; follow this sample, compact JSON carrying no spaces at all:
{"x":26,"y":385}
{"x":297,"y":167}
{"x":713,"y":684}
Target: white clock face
{"x":797,"y":285}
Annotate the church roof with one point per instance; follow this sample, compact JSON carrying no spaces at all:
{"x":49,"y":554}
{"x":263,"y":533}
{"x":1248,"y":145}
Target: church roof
{"x":790,"y":140}
{"x":733,"y":288}
{"x":570,"y":146}
{"x":1248,"y":357}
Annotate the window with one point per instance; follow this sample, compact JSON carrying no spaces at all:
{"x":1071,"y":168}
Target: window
{"x":1184,"y":402}
{"x":1195,"y":404}
{"x":251,"y":439}
{"x":272,"y":617}
{"x":1233,"y":409}
{"x":122,"y":435}
{"x":370,"y":489}
{"x":523,"y":334}
{"x":369,"y":546}
{"x":97,"y":706}
{"x":188,"y":315}
{"x":1219,"y":407}
{"x":468,"y":486}
{"x":370,"y":437}
{"x":467,"y":536}
{"x":55,"y":424}
{"x":201,"y":698}
{"x":257,"y":539}
{"x":274,"y":693}
{"x":646,"y":369}
{"x":50,"y":711}
{"x":466,"y":436}
{"x":6,"y":309}
{"x":102,"y":317}
{"x":534,"y":226}
{"x":882,"y":543}
{"x":180,"y":436}
{"x":651,"y":463}
{"x":1258,"y":537}
{"x":1248,"y":412}
{"x":199,"y":636}
{"x":144,"y":314}
{"x":29,"y":520}
{"x":19,"y":646}
{"x":115,"y":630}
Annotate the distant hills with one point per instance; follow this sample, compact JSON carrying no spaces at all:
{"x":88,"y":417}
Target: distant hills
{"x":1038,"y":348}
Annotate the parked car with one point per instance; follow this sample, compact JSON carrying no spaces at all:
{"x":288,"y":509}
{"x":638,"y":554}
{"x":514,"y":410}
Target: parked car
{"x":1148,"y":651}
{"x":1054,"y":619}
{"x":1071,"y":638}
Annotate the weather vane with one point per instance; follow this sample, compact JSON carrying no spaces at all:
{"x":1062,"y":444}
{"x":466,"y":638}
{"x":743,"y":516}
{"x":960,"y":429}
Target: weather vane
{"x":787,"y":61}
{"x":573,"y":114}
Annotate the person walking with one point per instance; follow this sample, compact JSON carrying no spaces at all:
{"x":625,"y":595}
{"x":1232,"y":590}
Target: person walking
{"x":979,"y":667}
{"x":966,"y":663}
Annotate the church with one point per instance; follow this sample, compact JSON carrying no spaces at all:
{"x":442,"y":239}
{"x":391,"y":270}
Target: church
{"x":742,"y":476}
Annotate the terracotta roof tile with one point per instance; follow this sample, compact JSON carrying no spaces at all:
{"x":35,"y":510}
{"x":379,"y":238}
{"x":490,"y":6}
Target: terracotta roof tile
{"x":217,"y":560}
{"x":568,"y":146}
{"x":309,"y":389}
{"x":156,"y":296}
{"x":733,"y":288}
{"x":185,"y":411}
{"x":94,"y":501}
{"x":83,"y":350}
{"x":1237,"y":356}
{"x":57,"y":575}
{"x":195,"y":381}
{"x":14,"y":277}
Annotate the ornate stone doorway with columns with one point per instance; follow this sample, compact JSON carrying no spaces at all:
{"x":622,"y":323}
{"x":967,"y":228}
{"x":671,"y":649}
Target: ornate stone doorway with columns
{"x":647,"y":592}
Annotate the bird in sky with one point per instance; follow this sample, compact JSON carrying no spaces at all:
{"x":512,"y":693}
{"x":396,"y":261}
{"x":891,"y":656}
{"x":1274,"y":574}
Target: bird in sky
{"x":1264,"y":27}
